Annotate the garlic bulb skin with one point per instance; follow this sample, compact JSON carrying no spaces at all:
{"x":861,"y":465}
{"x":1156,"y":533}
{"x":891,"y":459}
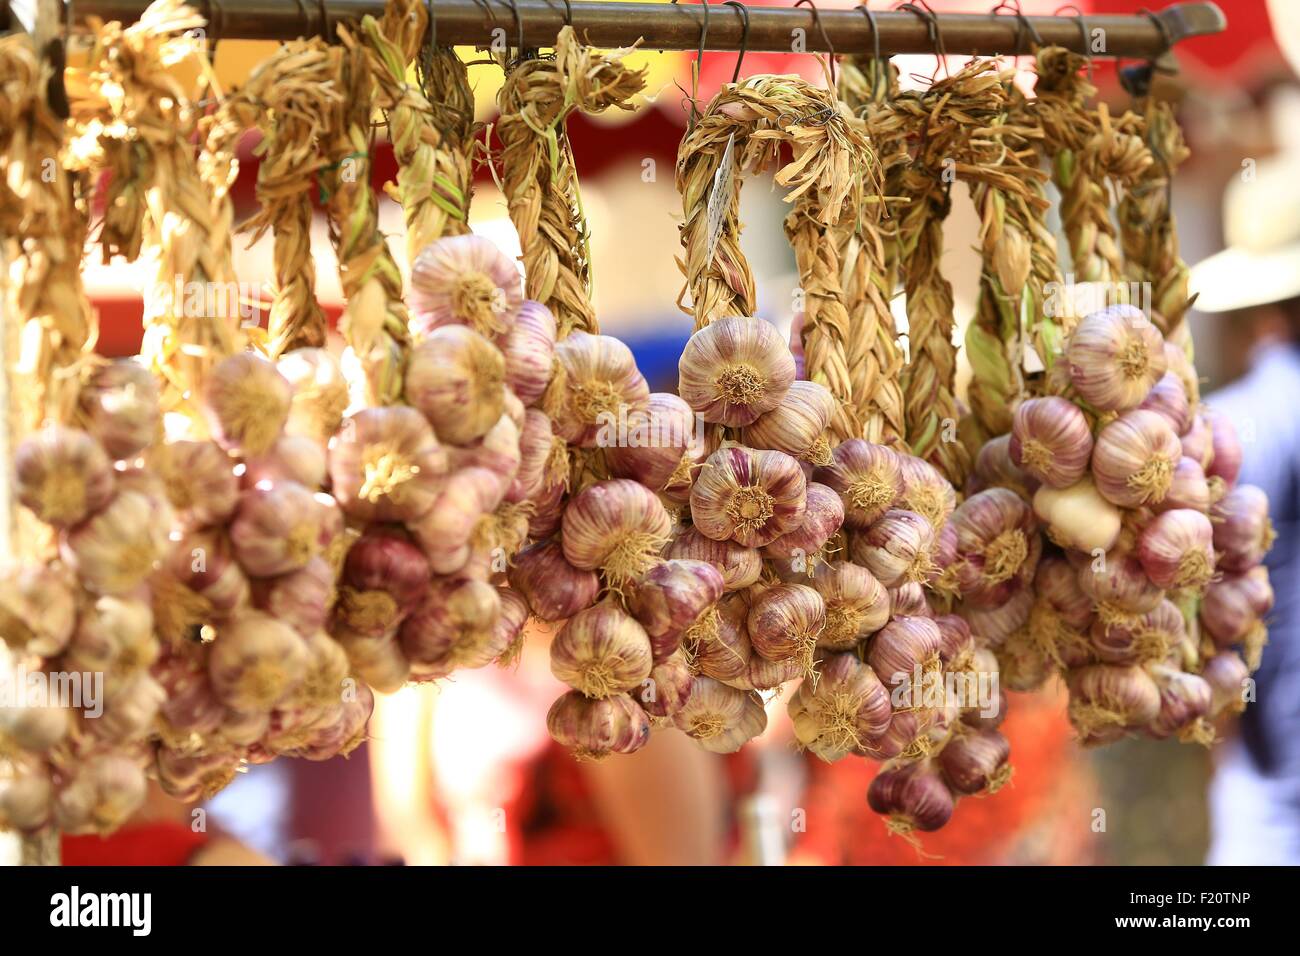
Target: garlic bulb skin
{"x":115,"y":550}
{"x":456,"y":378}
{"x":1078,"y":517}
{"x":38,"y":608}
{"x":596,"y":384}
{"x":320,"y":393}
{"x":747,"y":496}
{"x":601,"y":651}
{"x":1115,"y":356}
{"x":119,"y":405}
{"x":593,"y":729}
{"x":62,"y":475}
{"x":247,"y":403}
{"x":465,"y":280}
{"x":719,"y":718}
{"x":734,"y":370}
{"x":386,"y":464}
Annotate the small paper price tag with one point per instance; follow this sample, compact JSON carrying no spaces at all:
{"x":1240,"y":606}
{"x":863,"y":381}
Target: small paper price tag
{"x":720,"y":198}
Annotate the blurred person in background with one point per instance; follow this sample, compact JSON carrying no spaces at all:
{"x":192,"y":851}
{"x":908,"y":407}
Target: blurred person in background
{"x":1254,"y":284}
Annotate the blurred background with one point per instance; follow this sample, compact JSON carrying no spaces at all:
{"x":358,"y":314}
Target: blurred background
{"x":465,"y":772}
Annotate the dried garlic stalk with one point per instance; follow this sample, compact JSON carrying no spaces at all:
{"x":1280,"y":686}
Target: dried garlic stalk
{"x":374,"y":322}
{"x":868,"y":253}
{"x":296,"y":98}
{"x":431,"y":131}
{"x":1088,"y":151}
{"x":952,"y":123}
{"x":540,"y":181}
{"x":130,"y":105}
{"x":831,"y":339}
{"x":1006,"y":189}
{"x":763,"y":113}
{"x":43,"y":222}
{"x":1147,"y":229}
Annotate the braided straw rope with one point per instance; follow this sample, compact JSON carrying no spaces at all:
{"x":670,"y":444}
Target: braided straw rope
{"x":832,"y":340}
{"x":296,"y":98}
{"x":43,"y":224}
{"x":868,"y":253}
{"x":1087,"y":150}
{"x":374,"y":322}
{"x":1006,"y":188}
{"x":763,"y":112}
{"x":129,"y":103}
{"x":953,"y":122}
{"x":1147,"y":228}
{"x":540,"y":181}
{"x":432,"y":134}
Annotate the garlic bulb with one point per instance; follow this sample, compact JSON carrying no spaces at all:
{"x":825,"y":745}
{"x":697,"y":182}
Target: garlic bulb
{"x":38,"y":609}
{"x":1134,"y":458}
{"x":784,"y":623}
{"x":1078,"y":517}
{"x":750,"y":497}
{"x":734,"y":370}
{"x":739,"y":566}
{"x":994,"y":468}
{"x":667,"y":689}
{"x":661,"y":448}
{"x":868,"y":478}
{"x":1243,"y":531}
{"x":1115,"y":357}
{"x":1051,"y":440}
{"x":247,"y":403}
{"x":464,"y":280}
{"x":911,"y":797}
{"x":896,"y":548}
{"x":597,"y":385}
{"x":601,"y":651}
{"x":529,"y":351}
{"x":456,"y":379}
{"x":976,"y":762}
{"x":116,"y":549}
{"x":720,"y":718}
{"x":386,"y":464}
{"x":846,"y":707}
{"x":62,"y":475}
{"x":280,"y":527}
{"x":446,"y":530}
{"x":320,"y":393}
{"x":1187,"y":489}
{"x":1168,"y":398}
{"x":199,"y":480}
{"x":997,"y":546}
{"x":617,"y":526}
{"x":114,"y":635}
{"x":823,"y":515}
{"x":292,"y":458}
{"x":857,"y":605}
{"x":451,"y":628}
{"x":1108,"y":697}
{"x":554,"y":589}
{"x":378,"y":661}
{"x":670,"y":597}
{"x":718,"y":643}
{"x":798,"y":425}
{"x":256,"y":662}
{"x":120,"y":407}
{"x":1176,"y":549}
{"x":593,"y":729}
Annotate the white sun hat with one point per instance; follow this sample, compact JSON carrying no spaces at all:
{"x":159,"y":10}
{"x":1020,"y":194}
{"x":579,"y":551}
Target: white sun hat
{"x":1261,"y":225}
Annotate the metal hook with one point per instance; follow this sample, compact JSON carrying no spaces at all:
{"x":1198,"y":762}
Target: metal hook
{"x":744,"y":36}
{"x":1137,"y":79}
{"x":922,"y":9}
{"x":324,"y":21}
{"x":1083,"y":33}
{"x":1022,"y":24}
{"x":817,"y":21}
{"x":879,"y":77}
{"x":699,"y":59}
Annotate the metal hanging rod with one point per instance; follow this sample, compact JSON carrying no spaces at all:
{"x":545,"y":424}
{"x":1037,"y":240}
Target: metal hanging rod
{"x":678,"y":26}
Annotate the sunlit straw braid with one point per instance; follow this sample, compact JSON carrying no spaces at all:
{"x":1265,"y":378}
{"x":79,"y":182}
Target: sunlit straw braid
{"x":868,"y":252}
{"x":374,"y":322}
{"x":1087,"y":150}
{"x":431,"y":130}
{"x":952,"y":124}
{"x":1148,"y":232}
{"x":1006,"y":190}
{"x":832,"y":340}
{"x":763,"y":112}
{"x":298,"y":105}
{"x":150,"y":120}
{"x":539,"y":178}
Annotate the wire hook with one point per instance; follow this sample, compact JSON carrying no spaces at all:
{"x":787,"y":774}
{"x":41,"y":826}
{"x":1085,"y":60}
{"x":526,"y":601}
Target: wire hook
{"x":817,"y":21}
{"x":744,"y":36}
{"x":922,"y":9}
{"x":695,"y":67}
{"x":1083,"y":32}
